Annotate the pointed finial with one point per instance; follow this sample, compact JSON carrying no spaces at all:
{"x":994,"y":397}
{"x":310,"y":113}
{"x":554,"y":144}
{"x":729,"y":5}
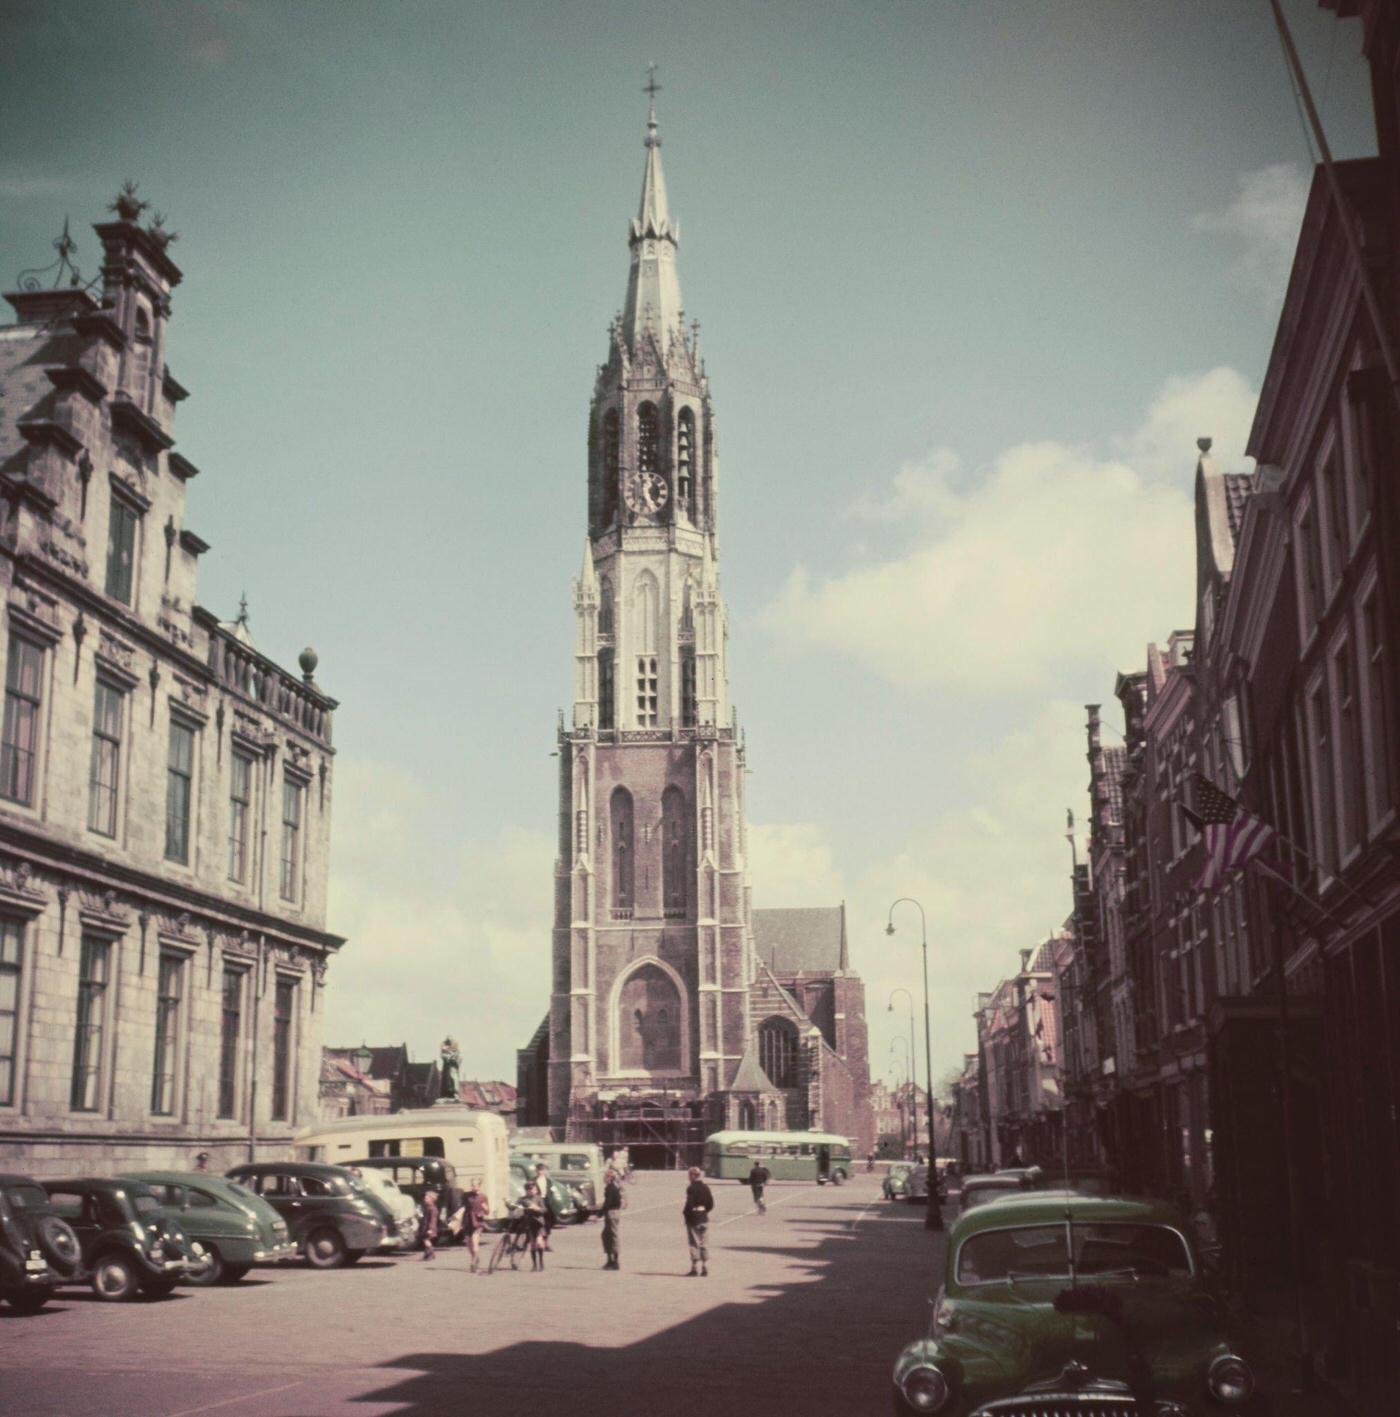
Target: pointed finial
{"x":651,"y":88}
{"x":1204,"y":444}
{"x":242,"y":609}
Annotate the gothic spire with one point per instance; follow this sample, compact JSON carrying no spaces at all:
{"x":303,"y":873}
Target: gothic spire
{"x":653,"y":287}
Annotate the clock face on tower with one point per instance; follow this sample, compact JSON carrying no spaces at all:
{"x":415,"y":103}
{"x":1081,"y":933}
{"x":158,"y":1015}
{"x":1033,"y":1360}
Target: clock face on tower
{"x":646,"y":492}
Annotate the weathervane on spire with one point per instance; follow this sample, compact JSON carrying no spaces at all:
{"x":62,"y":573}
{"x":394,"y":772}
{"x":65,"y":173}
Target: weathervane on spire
{"x":651,"y":88}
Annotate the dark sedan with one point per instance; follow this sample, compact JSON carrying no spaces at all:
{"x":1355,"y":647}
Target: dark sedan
{"x":332,"y":1220}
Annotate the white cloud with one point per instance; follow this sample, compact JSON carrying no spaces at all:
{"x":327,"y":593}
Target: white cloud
{"x":447,"y":933}
{"x":1054,"y":559}
{"x":792,"y":864}
{"x":1261,"y":221}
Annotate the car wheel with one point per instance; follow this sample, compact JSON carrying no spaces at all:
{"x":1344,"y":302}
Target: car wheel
{"x":30,"y":1301}
{"x":212,"y":1273}
{"x":59,"y":1243}
{"x":354,"y":1256}
{"x":325,"y":1249}
{"x":838,"y":1178}
{"x":114,"y":1279}
{"x":232,"y":1273}
{"x":158,"y":1288}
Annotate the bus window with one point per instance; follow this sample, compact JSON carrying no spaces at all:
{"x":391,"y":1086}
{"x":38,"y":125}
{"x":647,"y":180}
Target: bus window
{"x":383,"y":1148}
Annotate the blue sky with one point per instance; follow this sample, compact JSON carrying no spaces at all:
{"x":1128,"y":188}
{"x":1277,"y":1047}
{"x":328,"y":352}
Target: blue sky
{"x":971,"y":279}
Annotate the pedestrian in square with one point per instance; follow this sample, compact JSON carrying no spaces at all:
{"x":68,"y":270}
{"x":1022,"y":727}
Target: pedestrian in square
{"x":473,"y":1222}
{"x":201,"y":1162}
{"x":542,"y":1180}
{"x":534,"y":1210}
{"x":428,"y":1223}
{"x":612,"y":1218}
{"x":699,"y":1203}
{"x":758,"y":1179}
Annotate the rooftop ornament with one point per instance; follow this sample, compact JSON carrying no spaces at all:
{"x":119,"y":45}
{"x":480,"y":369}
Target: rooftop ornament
{"x":158,"y":233}
{"x":128,"y":206}
{"x":63,"y":268}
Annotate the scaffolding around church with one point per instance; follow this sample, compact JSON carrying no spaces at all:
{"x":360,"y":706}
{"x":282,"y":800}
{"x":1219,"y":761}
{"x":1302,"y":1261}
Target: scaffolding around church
{"x":660,"y":1132}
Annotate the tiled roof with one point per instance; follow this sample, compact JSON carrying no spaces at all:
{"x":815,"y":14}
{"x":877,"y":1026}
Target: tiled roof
{"x":1238,"y":486}
{"x":1044,"y":959}
{"x":750,"y":1076}
{"x":808,"y":940}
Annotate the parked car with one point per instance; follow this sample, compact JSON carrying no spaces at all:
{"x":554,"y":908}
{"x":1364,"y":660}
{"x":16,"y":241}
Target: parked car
{"x":405,"y":1213}
{"x":236,"y":1228}
{"x":896,"y":1182}
{"x":38,"y":1249}
{"x":332,"y":1221}
{"x":916,"y":1186}
{"x":560,"y":1200}
{"x":978,"y":1190}
{"x":130,"y":1244}
{"x":1069,"y":1303}
{"x":412,"y":1175}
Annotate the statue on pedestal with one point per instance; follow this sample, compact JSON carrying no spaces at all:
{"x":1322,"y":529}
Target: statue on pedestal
{"x":450,"y":1063}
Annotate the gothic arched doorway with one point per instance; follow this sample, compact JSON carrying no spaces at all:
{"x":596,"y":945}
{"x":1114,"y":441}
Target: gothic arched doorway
{"x":649,"y":1022}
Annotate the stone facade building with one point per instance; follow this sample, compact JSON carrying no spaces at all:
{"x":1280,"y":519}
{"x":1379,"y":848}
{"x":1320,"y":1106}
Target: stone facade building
{"x":165,"y":789}
{"x":653,"y":1008}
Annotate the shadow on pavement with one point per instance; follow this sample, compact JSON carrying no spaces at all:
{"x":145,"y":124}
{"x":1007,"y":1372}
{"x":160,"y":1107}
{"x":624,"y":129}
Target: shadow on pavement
{"x":820,"y":1345}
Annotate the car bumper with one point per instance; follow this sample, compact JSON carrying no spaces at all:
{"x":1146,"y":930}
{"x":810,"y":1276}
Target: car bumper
{"x":275,"y":1254}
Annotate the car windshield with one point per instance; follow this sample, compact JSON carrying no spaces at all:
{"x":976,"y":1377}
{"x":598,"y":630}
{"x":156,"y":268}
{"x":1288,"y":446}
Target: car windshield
{"x":1100,"y":1249}
{"x":980,"y":1195}
{"x":242,"y":1192}
{"x":26,"y":1197}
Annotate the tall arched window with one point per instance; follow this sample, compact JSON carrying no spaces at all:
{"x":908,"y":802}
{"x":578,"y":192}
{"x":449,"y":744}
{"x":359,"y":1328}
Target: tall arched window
{"x":777,"y":1051}
{"x":607,"y":690}
{"x":649,"y":1021}
{"x":605,"y":606}
{"x":747,"y":1121}
{"x":675,"y":853}
{"x":646,"y":609}
{"x":685,"y":462}
{"x":611,"y":445}
{"x":620,"y":823}
{"x":647,"y":438}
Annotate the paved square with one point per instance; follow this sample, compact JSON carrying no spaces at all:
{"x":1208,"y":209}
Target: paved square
{"x":803,"y":1312}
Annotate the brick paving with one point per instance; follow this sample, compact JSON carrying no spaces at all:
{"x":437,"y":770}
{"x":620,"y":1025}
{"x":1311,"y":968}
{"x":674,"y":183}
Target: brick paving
{"x":804,"y":1312}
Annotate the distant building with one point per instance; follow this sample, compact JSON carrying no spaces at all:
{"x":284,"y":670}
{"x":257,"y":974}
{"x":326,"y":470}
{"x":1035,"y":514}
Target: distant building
{"x":165,"y":789}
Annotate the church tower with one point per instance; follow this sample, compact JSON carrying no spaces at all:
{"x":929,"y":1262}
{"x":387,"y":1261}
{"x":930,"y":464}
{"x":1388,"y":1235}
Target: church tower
{"x":652,"y":944}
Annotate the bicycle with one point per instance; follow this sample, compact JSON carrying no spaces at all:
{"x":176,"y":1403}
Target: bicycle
{"x":514,"y":1242}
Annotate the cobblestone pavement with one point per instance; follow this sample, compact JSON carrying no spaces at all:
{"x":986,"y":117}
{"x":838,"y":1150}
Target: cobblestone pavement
{"x":804,"y":1311}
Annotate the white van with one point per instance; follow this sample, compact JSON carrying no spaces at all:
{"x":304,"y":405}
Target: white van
{"x":475,"y":1143}
{"x":579,"y":1164}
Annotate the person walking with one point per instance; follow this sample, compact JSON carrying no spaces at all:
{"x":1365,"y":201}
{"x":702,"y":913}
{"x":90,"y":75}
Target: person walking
{"x":428,"y":1224}
{"x":699,"y":1203}
{"x":542,"y":1181}
{"x":759,"y":1177}
{"x":473,"y":1222}
{"x":535,"y":1212}
{"x":201,"y":1162}
{"x":612,"y":1219}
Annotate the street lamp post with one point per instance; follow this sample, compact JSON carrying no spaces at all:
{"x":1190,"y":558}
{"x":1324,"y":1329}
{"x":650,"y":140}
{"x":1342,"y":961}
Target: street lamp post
{"x":933,"y":1216}
{"x":904,"y":1103}
{"x":913,"y":1113}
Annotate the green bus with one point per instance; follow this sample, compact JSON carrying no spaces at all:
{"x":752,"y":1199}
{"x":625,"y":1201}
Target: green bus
{"x":789,"y":1156}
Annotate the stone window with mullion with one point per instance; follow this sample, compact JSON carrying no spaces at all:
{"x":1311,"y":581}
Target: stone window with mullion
{"x":170,"y":990}
{"x":11,"y":975}
{"x":179,"y":789}
{"x":123,"y":546}
{"x":240,"y":807}
{"x":19,"y":743}
{"x":235,"y":985}
{"x":90,"y":1023}
{"x":105,"y":771}
{"x":293,"y":837}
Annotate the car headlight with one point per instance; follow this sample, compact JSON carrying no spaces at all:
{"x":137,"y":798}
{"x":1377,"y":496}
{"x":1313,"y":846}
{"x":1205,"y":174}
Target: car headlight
{"x":1230,"y":1379}
{"x":196,"y":1248}
{"x":925,"y":1389}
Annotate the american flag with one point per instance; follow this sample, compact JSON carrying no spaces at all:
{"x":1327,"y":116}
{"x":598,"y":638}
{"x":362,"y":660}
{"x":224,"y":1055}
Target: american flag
{"x":1232,"y":837}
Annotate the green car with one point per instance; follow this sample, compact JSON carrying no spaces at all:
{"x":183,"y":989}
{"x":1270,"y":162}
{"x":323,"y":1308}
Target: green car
{"x":237,"y":1228}
{"x":1062,"y":1302}
{"x":896,"y":1182}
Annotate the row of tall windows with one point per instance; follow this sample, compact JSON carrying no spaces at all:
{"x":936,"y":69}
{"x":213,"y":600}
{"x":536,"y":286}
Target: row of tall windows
{"x":19,"y":739}
{"x":93,"y":1020}
{"x":649,"y":457}
{"x":675,"y":842}
{"x":648,"y":700}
